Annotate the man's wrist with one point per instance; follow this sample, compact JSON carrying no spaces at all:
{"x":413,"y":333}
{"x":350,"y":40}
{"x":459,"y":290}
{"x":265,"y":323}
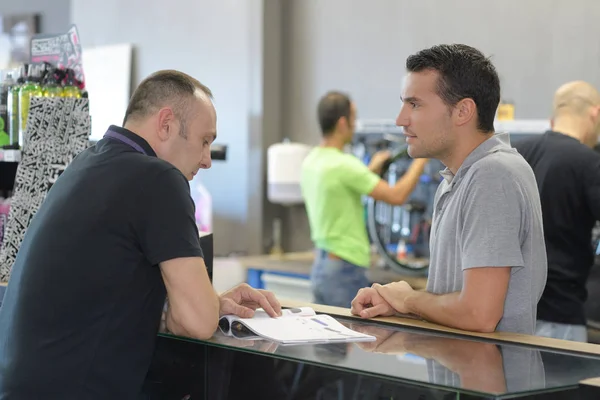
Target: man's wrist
{"x":220,"y":303}
{"x":411,"y":302}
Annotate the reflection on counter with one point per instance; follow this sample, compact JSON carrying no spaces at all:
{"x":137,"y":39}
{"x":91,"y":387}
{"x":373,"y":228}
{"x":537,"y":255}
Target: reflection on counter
{"x":477,"y":366}
{"x":399,"y":362}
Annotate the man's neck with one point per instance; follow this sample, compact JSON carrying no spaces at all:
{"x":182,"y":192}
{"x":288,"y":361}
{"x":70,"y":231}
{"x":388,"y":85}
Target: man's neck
{"x":333,"y":141}
{"x":139,"y":130}
{"x":569,"y":127}
{"x":459,"y":154}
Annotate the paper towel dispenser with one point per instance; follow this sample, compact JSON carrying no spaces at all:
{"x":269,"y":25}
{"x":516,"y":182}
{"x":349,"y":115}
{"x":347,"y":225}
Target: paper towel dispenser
{"x":284,"y":166}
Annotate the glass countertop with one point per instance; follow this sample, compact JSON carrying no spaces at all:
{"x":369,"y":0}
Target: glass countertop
{"x":427,"y":358}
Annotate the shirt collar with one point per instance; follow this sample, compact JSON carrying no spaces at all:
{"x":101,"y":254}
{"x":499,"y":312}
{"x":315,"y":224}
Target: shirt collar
{"x":498,"y":142}
{"x":134,"y":137}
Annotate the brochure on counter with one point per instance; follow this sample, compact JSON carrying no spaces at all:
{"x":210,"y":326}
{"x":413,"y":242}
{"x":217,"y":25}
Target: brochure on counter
{"x":295,"y":326}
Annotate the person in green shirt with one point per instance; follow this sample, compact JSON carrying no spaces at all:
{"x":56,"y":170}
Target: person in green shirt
{"x":333,"y":183}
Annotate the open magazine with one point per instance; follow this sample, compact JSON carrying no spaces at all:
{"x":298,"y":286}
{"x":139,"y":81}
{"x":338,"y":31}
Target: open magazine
{"x":295,"y":326}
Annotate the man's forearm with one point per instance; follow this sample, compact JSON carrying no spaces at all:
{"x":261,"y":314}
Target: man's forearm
{"x":374,"y":168}
{"x":447,"y":310}
{"x":183,"y":319}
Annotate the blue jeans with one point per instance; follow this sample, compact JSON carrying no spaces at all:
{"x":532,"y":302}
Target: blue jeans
{"x":335,"y":282}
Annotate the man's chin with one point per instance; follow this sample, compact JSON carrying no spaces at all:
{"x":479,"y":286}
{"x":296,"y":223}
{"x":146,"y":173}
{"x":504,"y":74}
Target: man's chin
{"x":413,"y":153}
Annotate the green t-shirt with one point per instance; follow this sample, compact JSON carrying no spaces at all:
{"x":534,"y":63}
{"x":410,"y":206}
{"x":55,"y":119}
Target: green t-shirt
{"x":333,"y":183}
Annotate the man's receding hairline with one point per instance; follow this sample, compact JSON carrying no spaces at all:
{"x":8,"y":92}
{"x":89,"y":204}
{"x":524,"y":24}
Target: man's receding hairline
{"x":201,"y":94}
{"x":575,"y":97}
{"x":179,"y":91}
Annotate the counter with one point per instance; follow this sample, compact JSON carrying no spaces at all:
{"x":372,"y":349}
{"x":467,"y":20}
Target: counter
{"x":411,"y":359}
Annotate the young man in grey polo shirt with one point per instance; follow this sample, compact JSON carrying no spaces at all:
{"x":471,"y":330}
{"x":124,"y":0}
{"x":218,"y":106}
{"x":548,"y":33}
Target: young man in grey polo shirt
{"x":488,"y":257}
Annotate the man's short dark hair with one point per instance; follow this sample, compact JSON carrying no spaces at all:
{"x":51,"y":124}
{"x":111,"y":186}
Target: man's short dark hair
{"x":164,"y":88}
{"x":464,"y":73}
{"x":332,"y":106}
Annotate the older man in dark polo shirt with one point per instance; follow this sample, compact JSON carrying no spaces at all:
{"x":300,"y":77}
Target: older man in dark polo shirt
{"x":115,"y":234}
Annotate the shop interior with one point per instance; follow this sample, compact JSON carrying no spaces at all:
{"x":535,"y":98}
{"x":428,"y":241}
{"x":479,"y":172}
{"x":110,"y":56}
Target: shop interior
{"x":268,"y":62}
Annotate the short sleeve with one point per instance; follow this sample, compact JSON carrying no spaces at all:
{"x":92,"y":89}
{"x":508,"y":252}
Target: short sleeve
{"x":358,"y":176}
{"x":492,"y":214}
{"x":164,"y":219}
{"x":592,"y":188}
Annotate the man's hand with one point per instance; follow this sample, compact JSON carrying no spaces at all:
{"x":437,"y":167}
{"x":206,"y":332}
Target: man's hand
{"x":378,"y":160}
{"x":368,"y":304}
{"x":243,"y":299}
{"x":395,"y":294}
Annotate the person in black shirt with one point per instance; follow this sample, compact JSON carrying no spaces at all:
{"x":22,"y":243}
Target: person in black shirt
{"x":115,"y":235}
{"x":567,"y":170}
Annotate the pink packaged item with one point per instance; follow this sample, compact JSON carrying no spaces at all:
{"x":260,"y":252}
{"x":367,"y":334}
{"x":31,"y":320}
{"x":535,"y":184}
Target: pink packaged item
{"x":4,"y":209}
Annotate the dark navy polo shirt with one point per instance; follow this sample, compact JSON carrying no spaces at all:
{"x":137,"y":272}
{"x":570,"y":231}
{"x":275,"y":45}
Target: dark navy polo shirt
{"x":83,"y":305}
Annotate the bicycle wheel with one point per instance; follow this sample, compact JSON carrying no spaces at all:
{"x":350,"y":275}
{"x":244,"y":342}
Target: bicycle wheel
{"x":383,"y":230}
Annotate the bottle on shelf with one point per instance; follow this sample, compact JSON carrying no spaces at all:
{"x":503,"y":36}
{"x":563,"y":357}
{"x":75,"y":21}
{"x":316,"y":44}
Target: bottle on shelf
{"x":30,"y":89}
{"x":401,"y":250}
{"x":70,"y":89}
{"x":6,"y":83}
{"x":50,"y":87}
{"x":13,"y":108}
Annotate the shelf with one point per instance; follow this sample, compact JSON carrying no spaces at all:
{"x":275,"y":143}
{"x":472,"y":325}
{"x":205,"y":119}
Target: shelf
{"x":10,"y":155}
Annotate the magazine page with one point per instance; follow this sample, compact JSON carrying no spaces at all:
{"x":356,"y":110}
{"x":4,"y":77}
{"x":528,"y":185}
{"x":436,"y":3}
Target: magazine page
{"x":226,"y":320}
{"x":297,"y":330}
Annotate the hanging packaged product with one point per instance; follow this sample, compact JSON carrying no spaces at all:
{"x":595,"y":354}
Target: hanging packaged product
{"x":62,"y":51}
{"x":203,"y":201}
{"x":4,"y":211}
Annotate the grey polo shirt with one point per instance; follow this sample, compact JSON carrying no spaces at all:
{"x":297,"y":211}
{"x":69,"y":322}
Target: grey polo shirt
{"x":489,"y":215}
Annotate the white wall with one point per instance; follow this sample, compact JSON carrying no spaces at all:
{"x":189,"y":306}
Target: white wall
{"x":220,"y":43}
{"x":269,"y":61}
{"x":361,"y":47}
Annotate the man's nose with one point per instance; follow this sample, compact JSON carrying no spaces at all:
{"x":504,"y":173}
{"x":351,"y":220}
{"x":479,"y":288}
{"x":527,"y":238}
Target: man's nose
{"x":402,"y":118}
{"x":206,"y":163}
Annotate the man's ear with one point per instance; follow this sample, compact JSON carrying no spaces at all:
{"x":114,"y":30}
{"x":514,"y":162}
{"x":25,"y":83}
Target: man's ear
{"x":595,"y":112}
{"x":464,"y":111}
{"x":342,"y":123}
{"x":165,"y":121}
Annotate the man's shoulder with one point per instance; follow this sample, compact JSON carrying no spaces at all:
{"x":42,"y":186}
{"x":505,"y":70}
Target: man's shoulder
{"x":501,"y":165}
{"x":153,"y":169}
{"x":530,"y":142}
{"x":331,"y":163}
{"x":161,"y":168}
{"x":588,"y":154}
{"x":332,"y":155}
